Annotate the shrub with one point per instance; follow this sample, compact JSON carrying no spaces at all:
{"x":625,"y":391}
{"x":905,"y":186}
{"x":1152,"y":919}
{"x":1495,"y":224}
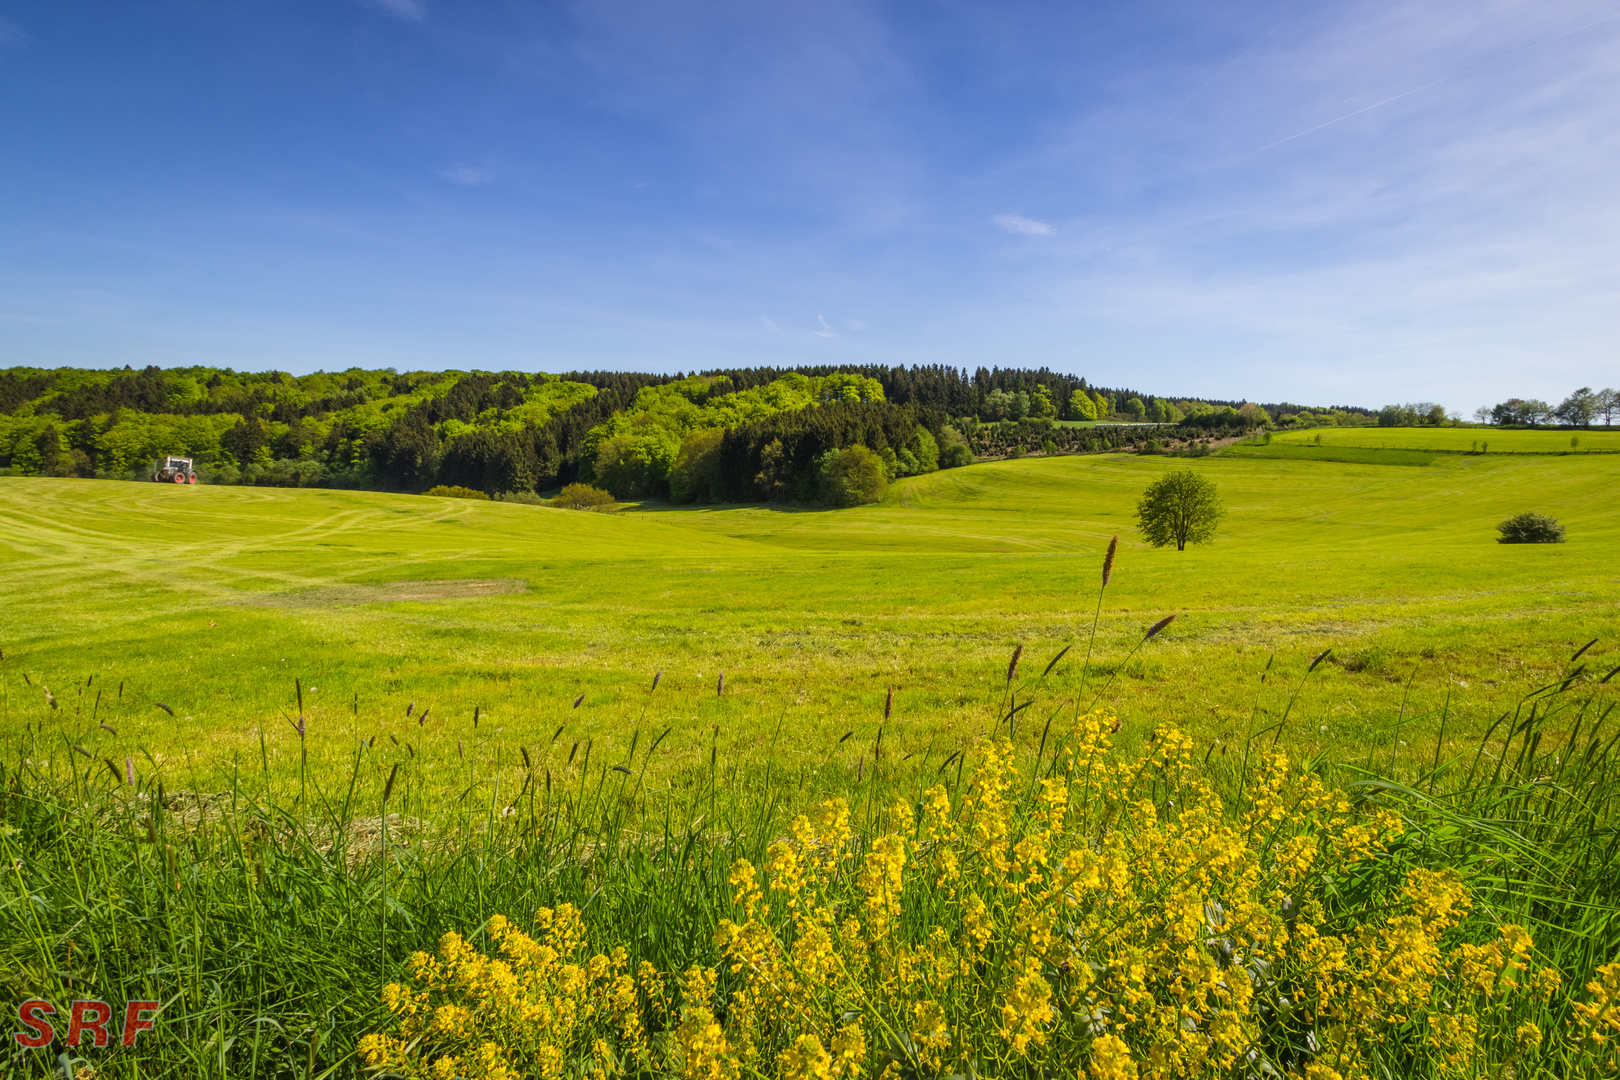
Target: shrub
{"x":527,"y":498}
{"x":455,"y":491}
{"x":955,"y":456}
{"x":585,"y":497}
{"x":851,"y":477}
{"x":1530,"y":528}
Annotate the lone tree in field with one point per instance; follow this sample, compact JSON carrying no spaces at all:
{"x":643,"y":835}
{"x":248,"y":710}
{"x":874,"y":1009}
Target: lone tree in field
{"x":1179,"y":507}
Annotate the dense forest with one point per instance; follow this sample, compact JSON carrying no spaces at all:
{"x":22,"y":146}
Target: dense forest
{"x":716,"y":436}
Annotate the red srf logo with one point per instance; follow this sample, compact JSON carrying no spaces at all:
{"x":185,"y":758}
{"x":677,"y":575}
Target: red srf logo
{"x":86,"y":1020}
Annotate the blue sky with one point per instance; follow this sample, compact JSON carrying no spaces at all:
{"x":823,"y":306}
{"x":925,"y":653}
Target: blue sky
{"x":1357,"y":202}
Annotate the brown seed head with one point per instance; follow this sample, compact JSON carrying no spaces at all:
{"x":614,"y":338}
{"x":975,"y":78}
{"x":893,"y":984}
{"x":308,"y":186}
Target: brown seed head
{"x":1012,"y":668}
{"x":888,"y":704}
{"x":1160,"y":625}
{"x":1108,"y":561}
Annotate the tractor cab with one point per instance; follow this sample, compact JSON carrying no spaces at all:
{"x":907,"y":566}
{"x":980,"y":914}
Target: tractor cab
{"x":173,"y":470}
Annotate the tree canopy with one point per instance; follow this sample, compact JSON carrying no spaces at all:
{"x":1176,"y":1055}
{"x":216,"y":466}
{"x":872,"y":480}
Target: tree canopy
{"x":1179,"y":507}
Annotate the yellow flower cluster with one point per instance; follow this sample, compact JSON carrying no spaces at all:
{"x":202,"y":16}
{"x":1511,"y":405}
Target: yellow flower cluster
{"x":1106,"y":918}
{"x":1600,"y":1017}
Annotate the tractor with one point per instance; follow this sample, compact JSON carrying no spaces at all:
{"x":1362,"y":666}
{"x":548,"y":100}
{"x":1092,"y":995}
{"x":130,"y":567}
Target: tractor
{"x":173,"y":470}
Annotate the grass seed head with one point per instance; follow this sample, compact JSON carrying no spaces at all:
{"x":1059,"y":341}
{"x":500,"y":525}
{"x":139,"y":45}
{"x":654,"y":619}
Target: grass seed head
{"x":1012,"y":668}
{"x":1153,"y":630}
{"x":1108,"y":561}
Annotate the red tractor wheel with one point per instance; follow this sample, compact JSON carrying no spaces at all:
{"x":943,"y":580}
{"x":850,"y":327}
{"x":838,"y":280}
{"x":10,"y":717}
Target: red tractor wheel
{"x":179,"y":478}
{"x":192,"y":479}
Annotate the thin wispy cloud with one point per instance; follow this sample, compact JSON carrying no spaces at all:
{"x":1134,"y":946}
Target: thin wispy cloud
{"x":770,"y":326}
{"x":826,"y":330}
{"x":468,"y":175}
{"x":12,"y":35}
{"x":1442,"y":80}
{"x":409,"y":10}
{"x":1018,"y":223}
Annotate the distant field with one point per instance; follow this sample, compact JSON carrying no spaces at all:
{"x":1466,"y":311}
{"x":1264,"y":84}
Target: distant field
{"x":212,"y":600}
{"x":1278,"y":450}
{"x":1472,"y":439}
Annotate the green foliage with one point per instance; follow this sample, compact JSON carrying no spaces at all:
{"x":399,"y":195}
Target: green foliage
{"x":1002,"y":405}
{"x":371,"y":427}
{"x":1517,"y":412}
{"x":1179,"y":507}
{"x":696,"y":475}
{"x":526,"y":498}
{"x":1136,"y":410}
{"x":1163,"y":411}
{"x":1081,"y":406}
{"x":634,"y":452}
{"x":451,"y":491}
{"x":585,"y":497}
{"x":1414,"y":414}
{"x":852,"y":476}
{"x":1041,"y":405}
{"x":953,"y":449}
{"x":1530,"y":528}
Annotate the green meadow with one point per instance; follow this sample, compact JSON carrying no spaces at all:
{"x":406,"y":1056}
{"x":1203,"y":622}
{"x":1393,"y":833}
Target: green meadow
{"x":217,"y":601}
{"x":1458,"y":440}
{"x":259,"y":746}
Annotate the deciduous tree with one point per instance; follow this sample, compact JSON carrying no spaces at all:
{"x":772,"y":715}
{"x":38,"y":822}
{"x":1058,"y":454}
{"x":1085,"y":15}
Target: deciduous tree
{"x":1180,"y":507}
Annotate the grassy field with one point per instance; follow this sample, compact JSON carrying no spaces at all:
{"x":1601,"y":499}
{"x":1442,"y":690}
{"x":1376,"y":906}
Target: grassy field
{"x":213,"y":601}
{"x":261,"y":746}
{"x":1458,"y":440}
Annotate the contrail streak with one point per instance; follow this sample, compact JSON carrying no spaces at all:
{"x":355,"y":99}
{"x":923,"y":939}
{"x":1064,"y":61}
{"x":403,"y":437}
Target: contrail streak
{"x":1437,"y":82}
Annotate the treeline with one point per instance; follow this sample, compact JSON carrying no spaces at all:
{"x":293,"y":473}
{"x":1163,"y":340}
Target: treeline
{"x":722,"y":435}
{"x":1583,"y":408}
